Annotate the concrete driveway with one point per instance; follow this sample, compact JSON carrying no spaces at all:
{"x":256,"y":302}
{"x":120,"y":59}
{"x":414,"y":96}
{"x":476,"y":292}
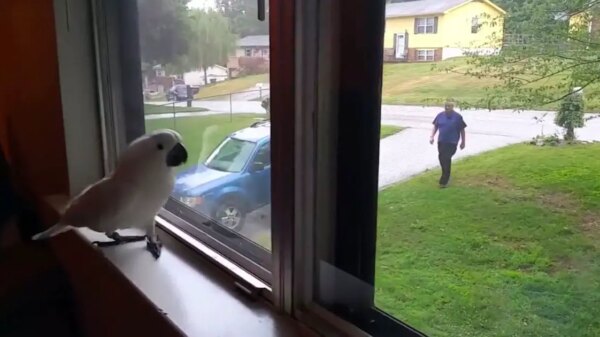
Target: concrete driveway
{"x":409,"y":152}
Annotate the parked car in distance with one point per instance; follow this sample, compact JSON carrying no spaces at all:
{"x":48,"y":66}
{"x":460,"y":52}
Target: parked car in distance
{"x":234,"y":180}
{"x":178,"y":92}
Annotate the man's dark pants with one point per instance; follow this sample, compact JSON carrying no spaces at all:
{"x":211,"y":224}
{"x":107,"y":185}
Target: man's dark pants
{"x":446,"y":151}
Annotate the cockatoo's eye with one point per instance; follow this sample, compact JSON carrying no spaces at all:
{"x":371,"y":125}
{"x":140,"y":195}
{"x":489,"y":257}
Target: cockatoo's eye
{"x":160,"y":146}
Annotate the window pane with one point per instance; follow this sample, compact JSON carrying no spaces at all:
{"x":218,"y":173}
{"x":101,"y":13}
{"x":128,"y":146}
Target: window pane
{"x":206,"y":75}
{"x":499,"y":238}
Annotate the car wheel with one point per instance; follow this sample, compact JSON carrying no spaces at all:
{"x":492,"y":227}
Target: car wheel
{"x":231,"y":214}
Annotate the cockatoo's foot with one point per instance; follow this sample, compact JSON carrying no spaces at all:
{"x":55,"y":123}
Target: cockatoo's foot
{"x":118,"y":239}
{"x":154,"y":246}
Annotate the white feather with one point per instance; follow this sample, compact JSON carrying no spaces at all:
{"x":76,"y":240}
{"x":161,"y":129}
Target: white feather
{"x":131,"y":196}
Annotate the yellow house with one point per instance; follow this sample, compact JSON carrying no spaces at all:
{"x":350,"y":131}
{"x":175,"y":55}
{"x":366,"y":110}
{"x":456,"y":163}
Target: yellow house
{"x":587,"y":20}
{"x":434,"y":30}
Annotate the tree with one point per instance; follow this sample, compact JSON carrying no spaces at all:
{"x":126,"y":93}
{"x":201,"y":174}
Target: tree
{"x":243,"y":17}
{"x":570,"y":115}
{"x":211,"y":41}
{"x":548,"y":51}
{"x":163,"y":29}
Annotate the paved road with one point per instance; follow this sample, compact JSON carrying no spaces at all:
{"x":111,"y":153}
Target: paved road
{"x":214,"y":107}
{"x":409,"y":152}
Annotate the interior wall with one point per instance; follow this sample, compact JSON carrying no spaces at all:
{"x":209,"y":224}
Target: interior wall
{"x":31,"y":126}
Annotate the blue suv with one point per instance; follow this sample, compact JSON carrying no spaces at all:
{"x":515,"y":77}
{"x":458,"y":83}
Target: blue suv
{"x":234,"y":180}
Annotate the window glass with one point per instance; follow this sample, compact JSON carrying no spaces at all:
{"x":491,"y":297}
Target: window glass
{"x":488,"y":200}
{"x":201,"y":82}
{"x":425,"y":54}
{"x":475,"y":25}
{"x":425,"y":25}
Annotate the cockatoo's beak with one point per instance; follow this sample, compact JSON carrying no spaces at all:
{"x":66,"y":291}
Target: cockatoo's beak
{"x":177,"y":156}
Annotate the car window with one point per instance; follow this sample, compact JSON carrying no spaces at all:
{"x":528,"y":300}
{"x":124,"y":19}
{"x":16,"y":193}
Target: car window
{"x":264,"y":155}
{"x":231,"y":156}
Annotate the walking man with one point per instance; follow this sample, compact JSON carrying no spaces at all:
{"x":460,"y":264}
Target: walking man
{"x":451,"y":127}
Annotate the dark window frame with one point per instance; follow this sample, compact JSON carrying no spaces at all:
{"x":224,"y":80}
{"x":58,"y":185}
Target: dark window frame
{"x":348,"y":121}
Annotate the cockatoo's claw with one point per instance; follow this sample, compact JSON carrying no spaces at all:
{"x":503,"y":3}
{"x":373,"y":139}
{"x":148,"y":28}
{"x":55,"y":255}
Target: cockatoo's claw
{"x":154,"y":247}
{"x":106,"y":243}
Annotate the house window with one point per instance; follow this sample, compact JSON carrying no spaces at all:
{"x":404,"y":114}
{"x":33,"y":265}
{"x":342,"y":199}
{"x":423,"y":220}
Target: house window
{"x":475,"y":25}
{"x":425,"y":25}
{"x":425,"y":55}
{"x":248,"y":52}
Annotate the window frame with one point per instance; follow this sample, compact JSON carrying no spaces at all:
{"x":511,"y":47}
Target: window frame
{"x":475,"y":25}
{"x":426,"y":58}
{"x":248,"y":52}
{"x":121,"y":110}
{"x":329,"y":83}
{"x":426,"y":25}
{"x":304,"y":54}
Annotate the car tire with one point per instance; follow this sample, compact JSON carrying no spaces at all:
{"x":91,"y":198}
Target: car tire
{"x":230,"y":213}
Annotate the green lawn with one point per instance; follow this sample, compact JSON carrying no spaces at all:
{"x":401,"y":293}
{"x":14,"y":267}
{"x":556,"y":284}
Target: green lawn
{"x":202,"y":134}
{"x":160,"y":109}
{"x":231,"y":86}
{"x":420,"y":84}
{"x":389,"y":130}
{"x":512,"y":248}
{"x":409,"y":83}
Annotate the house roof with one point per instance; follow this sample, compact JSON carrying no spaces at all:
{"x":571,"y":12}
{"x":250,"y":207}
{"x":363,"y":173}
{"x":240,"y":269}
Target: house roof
{"x":254,"y":41}
{"x":427,"y":7}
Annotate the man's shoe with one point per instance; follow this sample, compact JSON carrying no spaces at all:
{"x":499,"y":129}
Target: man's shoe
{"x":443,"y":185}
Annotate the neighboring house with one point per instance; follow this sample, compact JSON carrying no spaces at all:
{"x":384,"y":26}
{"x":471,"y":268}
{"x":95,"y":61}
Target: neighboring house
{"x":589,"y":19}
{"x":251,"y":55}
{"x":434,"y":30}
{"x":253,"y":46}
{"x":214,"y":74}
{"x":157,"y":81}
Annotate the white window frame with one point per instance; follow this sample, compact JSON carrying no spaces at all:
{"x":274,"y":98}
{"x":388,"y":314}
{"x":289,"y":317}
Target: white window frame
{"x":475,"y":25}
{"x":426,"y":57}
{"x":248,"y":52}
{"x":426,"y":25}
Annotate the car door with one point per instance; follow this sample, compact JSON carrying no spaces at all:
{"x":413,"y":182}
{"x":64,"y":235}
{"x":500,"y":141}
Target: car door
{"x":260,"y":180}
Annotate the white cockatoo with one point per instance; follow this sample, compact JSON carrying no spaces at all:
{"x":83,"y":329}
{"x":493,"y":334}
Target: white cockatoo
{"x":132,"y":195}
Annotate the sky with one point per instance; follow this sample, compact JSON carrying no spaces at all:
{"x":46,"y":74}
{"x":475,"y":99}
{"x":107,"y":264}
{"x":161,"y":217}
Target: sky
{"x":202,"y":4}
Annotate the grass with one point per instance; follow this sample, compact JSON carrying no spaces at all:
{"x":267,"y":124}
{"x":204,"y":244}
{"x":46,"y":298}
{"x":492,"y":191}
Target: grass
{"x":232,"y":86}
{"x":150,"y":109}
{"x":202,"y":134}
{"x":389,"y":130}
{"x":420,"y":84}
{"x":511,"y":249}
{"x":411,"y":84}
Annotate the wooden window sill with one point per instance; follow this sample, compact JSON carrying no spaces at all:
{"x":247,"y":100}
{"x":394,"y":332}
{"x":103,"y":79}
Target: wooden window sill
{"x":197,"y":296}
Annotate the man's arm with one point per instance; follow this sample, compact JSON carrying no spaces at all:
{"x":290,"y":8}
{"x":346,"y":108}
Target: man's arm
{"x":433,"y":132}
{"x":463,"y":139}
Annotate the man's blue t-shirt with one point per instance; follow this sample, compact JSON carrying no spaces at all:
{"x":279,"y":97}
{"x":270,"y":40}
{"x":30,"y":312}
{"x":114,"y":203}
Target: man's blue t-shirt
{"x":449,"y":126}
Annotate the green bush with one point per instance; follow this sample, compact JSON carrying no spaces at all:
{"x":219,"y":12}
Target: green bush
{"x":571,"y":115}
